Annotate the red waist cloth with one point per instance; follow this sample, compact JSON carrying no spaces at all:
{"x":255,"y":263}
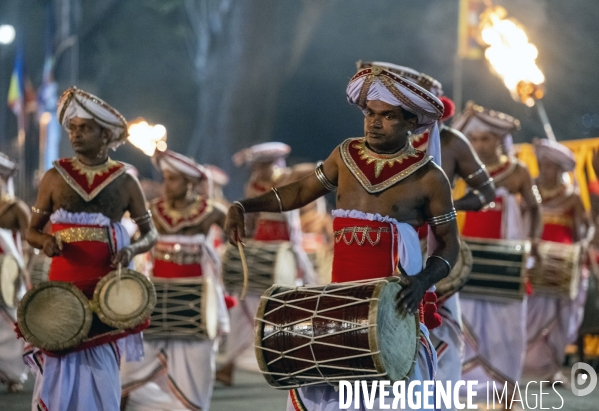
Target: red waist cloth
{"x":270,"y":230}
{"x":557,"y":233}
{"x":422,"y":231}
{"x":353,"y":261}
{"x":168,"y":269}
{"x":484,"y":224}
{"x":82,"y":263}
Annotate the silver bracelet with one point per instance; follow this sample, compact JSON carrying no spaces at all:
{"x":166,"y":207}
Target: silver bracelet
{"x":40,"y":211}
{"x":147,"y":216}
{"x":274,"y":190}
{"x":323,"y":179}
{"x":486,"y":183}
{"x":477,"y":172}
{"x":442,"y":219}
{"x":238,"y":204}
{"x":481,"y":197}
{"x":442,"y":259}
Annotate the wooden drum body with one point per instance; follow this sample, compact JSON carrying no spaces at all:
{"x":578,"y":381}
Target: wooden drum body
{"x":316,"y":335}
{"x":186,"y":308}
{"x":558,"y":274}
{"x":498,"y":269}
{"x":269,"y":262}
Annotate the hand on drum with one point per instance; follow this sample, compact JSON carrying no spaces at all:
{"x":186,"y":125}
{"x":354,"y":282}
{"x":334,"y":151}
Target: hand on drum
{"x":123,"y":257}
{"x":413,"y":290}
{"x":235,"y":225}
{"x":51,"y":247}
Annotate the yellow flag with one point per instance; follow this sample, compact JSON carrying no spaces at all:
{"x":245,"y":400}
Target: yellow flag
{"x":468,"y":29}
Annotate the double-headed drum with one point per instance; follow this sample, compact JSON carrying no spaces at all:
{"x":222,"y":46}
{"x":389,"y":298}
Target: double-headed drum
{"x":316,"y":335}
{"x":558,"y":274}
{"x":269,"y":263}
{"x":10,"y":281}
{"x":185,"y":308}
{"x":498,"y":269}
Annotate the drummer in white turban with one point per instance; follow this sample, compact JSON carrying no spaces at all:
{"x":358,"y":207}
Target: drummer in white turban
{"x":495,"y":329}
{"x":386,"y":186}
{"x":14,"y":220}
{"x":177,"y":373}
{"x":553,"y":319}
{"x":268,"y":169}
{"x":87,"y":195}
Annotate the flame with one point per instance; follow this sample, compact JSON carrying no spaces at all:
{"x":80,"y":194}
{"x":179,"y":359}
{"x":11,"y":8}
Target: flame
{"x":146,"y":137}
{"x":510,"y":53}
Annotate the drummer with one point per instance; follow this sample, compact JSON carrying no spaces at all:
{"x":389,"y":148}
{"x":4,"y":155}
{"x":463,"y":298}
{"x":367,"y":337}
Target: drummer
{"x":385,"y":186}
{"x":268,"y":170}
{"x":85,"y":197}
{"x":496,"y":331}
{"x":553,"y":321}
{"x":458,"y":159}
{"x":179,"y":374}
{"x":14,"y":220}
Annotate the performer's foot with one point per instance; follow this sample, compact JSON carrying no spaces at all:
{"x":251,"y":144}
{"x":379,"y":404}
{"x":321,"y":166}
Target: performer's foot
{"x":15,"y":387}
{"x":225,"y":374}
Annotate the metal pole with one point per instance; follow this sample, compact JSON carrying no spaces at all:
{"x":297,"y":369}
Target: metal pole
{"x":545,"y":120}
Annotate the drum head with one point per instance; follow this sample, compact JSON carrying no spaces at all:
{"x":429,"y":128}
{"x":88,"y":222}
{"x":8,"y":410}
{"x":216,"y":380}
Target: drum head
{"x":126,"y":303}
{"x":54,"y":316}
{"x":286,"y":265}
{"x":458,"y":275}
{"x":210,"y":307}
{"x":9,"y":273}
{"x":396,"y":336}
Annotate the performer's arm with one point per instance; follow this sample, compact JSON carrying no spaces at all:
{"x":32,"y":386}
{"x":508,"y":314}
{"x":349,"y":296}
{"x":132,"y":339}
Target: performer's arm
{"x":142,"y":217}
{"x":440,"y":215}
{"x":470,"y":168}
{"x":41,"y":215}
{"x":585,"y":229}
{"x":285,"y":198}
{"x":532,"y":201}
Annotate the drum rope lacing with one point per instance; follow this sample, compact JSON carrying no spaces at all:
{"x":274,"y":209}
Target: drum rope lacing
{"x":313,"y":339}
{"x":340,"y":235}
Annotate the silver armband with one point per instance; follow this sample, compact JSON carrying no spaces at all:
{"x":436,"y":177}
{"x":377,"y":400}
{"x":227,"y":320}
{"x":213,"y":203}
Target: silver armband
{"x":323,"y":179}
{"x":442,"y":259}
{"x":144,"y":218}
{"x":40,"y":211}
{"x":442,"y":219}
{"x":477,"y":172}
{"x":481,"y":197}
{"x":274,"y":190}
{"x":486,"y":183}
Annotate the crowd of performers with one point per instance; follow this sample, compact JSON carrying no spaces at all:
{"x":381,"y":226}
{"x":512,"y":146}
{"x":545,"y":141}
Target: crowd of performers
{"x":393,"y":216}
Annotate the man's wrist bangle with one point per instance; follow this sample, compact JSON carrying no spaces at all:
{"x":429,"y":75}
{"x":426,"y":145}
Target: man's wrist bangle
{"x":481,"y":197}
{"x":442,"y":259}
{"x":238,"y":204}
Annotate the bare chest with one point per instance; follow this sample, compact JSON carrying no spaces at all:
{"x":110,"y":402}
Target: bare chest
{"x":111,"y":201}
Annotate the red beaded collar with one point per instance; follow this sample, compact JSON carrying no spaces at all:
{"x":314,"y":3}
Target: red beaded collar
{"x":378,"y":172}
{"x":88,"y":181}
{"x":173,"y":220}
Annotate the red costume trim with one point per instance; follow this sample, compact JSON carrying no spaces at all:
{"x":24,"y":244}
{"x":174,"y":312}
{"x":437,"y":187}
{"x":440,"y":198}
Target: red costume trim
{"x":353,"y":262}
{"x":174,"y":220}
{"x":296,"y":401}
{"x":378,"y":172}
{"x":506,"y":166}
{"x":420,"y":141}
{"x":270,"y":230}
{"x":485,"y":224}
{"x":167,"y":269}
{"x":88,"y":181}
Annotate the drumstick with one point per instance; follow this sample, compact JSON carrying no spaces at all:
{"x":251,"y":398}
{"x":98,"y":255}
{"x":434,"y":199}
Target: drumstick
{"x":118,"y":278}
{"x":245,"y":271}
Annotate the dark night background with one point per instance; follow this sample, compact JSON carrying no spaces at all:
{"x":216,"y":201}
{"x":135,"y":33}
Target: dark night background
{"x":224,"y":74}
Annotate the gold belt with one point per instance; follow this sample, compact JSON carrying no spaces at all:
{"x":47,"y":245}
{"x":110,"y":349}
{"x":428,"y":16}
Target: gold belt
{"x":76,"y":234}
{"x":355,"y":231}
{"x":179,"y":258}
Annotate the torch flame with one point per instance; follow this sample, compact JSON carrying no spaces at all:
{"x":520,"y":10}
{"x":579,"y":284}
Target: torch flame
{"x":509,"y":52}
{"x":146,"y":137}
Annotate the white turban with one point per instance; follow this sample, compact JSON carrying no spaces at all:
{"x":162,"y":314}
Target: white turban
{"x":476,"y":118}
{"x":217,"y":175}
{"x":263,"y":152}
{"x":555,"y":152}
{"x":178,"y":163}
{"x":423,"y":80}
{"x":78,"y":103}
{"x":378,"y":83}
